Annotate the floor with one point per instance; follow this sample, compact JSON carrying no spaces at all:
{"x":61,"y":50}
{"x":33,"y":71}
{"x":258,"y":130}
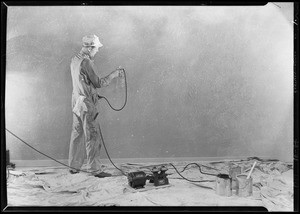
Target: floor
{"x":55,"y":186}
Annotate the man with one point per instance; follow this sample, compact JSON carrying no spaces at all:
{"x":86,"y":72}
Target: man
{"x":85,"y":136}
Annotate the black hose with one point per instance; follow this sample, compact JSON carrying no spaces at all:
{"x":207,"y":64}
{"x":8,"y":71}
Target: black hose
{"x":125,"y":102}
{"x":48,"y":155}
{"x":189,"y":179}
{"x":115,"y":109}
{"x":200,"y":169}
{"x":108,"y":154}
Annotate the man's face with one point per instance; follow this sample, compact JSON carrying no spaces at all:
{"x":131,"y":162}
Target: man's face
{"x":94,"y":51}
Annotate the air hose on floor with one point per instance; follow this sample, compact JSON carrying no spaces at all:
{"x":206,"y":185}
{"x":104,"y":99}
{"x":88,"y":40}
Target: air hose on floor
{"x":115,"y":109}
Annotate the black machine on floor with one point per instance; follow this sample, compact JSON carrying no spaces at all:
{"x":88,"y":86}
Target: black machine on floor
{"x":138,"y":179}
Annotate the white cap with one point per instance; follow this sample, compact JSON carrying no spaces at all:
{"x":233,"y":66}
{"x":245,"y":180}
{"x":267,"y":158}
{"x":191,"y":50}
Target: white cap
{"x":90,"y":41}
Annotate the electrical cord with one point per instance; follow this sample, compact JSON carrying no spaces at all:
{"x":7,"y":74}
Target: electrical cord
{"x":112,"y":161}
{"x":45,"y":154}
{"x":192,"y":180}
{"x":200,"y":168}
{"x":115,"y":109}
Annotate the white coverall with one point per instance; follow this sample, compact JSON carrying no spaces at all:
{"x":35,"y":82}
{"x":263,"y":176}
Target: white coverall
{"x":85,"y":137}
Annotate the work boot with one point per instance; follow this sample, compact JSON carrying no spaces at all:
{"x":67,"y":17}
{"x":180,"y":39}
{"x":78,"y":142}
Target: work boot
{"x":102,"y":175}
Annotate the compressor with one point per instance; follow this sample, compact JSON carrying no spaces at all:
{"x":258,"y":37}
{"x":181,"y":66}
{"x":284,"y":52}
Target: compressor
{"x":138,"y":179}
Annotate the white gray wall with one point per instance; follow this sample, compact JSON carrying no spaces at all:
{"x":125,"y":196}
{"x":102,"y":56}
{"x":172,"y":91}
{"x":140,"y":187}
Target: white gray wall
{"x":202,"y":81}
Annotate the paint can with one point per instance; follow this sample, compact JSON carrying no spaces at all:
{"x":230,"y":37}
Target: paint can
{"x":233,"y":172}
{"x":223,"y":185}
{"x":244,"y":186}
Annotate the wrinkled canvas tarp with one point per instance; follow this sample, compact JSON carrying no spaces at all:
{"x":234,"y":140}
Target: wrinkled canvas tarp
{"x":272,"y":187}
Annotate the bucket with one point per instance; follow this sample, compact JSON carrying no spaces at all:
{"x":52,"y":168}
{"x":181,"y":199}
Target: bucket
{"x":223,"y":185}
{"x":233,"y":172}
{"x":244,"y":186}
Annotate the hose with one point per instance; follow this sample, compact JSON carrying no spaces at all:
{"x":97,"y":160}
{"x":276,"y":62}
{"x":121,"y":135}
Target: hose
{"x":115,"y":109}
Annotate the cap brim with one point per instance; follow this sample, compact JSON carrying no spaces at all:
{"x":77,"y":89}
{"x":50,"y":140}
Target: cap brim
{"x":95,"y":45}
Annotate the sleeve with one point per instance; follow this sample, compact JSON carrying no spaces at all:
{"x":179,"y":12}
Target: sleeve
{"x":88,"y":68}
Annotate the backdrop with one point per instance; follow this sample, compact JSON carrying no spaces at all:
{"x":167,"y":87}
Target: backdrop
{"x":203,"y":81}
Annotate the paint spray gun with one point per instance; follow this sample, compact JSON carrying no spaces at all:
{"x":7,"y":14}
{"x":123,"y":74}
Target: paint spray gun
{"x":122,"y":74}
{"x":122,"y":77}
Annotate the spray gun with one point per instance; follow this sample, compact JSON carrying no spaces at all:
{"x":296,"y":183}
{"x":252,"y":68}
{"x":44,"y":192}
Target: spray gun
{"x":123,"y":83}
{"x":121,"y":80}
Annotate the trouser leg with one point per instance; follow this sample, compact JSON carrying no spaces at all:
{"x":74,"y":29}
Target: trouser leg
{"x":93,"y":141}
{"x":77,"y":145}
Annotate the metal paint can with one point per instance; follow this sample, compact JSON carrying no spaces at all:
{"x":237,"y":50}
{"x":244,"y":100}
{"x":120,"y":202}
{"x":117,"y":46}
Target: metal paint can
{"x":233,"y":172}
{"x":223,"y":185}
{"x":244,"y":186}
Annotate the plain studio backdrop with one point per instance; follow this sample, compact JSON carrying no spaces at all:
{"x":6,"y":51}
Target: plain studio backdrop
{"x":203,"y":81}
